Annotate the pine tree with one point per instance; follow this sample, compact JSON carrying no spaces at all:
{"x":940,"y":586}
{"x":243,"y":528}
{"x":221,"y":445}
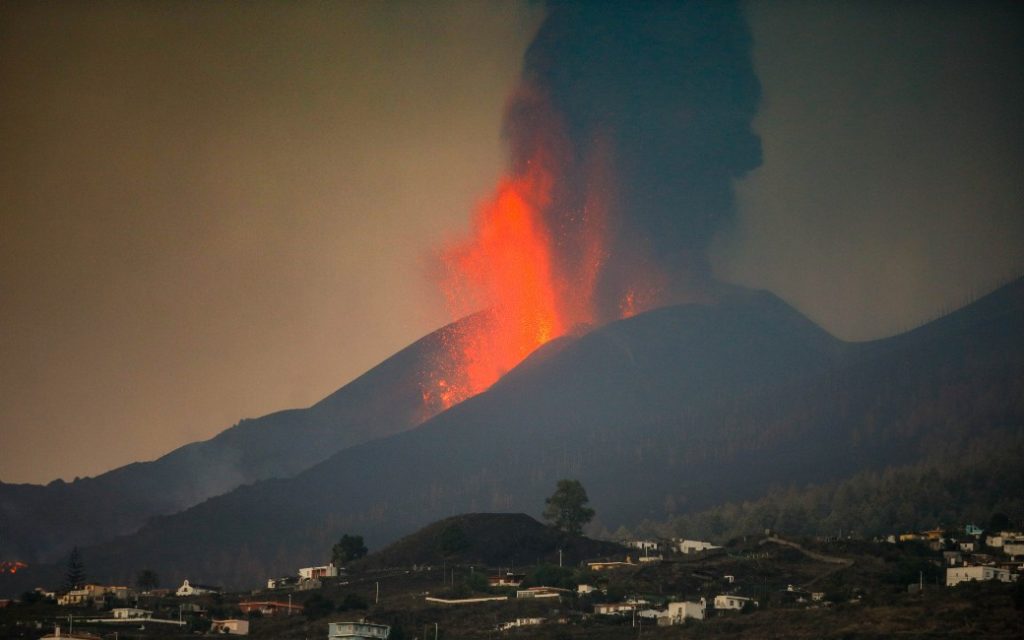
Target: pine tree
{"x":75,"y":577}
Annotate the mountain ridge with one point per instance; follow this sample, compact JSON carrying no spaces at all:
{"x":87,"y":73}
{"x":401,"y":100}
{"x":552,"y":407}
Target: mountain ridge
{"x":679,"y":408}
{"x":42,"y":521}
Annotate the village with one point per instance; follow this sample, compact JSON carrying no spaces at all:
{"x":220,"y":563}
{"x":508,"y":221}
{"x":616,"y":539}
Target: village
{"x":657,"y":587}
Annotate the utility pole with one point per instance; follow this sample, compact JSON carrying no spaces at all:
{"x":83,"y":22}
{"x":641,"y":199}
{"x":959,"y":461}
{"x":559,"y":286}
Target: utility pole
{"x":435,"y":631}
{"x":289,"y":604}
{"x":376,"y":597}
{"x":559,"y":558}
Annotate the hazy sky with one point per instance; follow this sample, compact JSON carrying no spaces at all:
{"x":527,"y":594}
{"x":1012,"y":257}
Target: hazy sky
{"x":215,"y":211}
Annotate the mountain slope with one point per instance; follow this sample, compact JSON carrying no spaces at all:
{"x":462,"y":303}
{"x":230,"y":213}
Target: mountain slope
{"x":671,"y":411}
{"x":490,"y":540}
{"x":648,"y":369}
{"x":41,"y":522}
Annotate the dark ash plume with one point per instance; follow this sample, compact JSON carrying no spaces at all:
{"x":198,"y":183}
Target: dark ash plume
{"x":651,"y":104}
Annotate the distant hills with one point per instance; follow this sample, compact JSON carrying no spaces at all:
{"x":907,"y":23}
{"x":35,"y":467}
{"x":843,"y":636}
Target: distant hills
{"x":670,"y":412}
{"x":967,"y":485}
{"x":40,"y":523}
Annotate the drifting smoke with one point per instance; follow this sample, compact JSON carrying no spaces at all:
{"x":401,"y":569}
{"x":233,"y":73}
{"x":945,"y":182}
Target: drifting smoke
{"x":629,"y":127}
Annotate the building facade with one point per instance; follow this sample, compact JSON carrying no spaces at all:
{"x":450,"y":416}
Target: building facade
{"x":956,"y":575}
{"x":357,"y":631}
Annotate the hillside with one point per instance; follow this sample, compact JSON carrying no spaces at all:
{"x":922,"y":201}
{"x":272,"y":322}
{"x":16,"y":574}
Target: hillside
{"x":487,"y":539}
{"x":43,"y":522}
{"x":970,"y":486}
{"x":669,"y":412}
{"x":804,"y":588}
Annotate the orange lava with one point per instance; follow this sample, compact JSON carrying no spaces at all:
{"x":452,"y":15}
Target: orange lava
{"x":529,"y":270}
{"x":507,"y":268}
{"x":11,"y":566}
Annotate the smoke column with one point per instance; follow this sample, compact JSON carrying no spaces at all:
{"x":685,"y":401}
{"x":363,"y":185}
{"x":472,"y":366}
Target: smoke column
{"x":630,"y":124}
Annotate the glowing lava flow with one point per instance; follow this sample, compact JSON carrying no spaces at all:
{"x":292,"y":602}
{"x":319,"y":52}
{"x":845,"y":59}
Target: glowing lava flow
{"x":507,"y":268}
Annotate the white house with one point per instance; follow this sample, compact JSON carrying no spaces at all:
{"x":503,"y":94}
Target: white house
{"x":584,"y":589}
{"x":696,"y":546}
{"x":727,"y":602}
{"x":642,"y":545}
{"x":680,"y":611}
{"x":315,"y":573}
{"x":130,"y":613}
{"x":88,"y":594}
{"x":189,"y":589}
{"x":1013,"y":548}
{"x":93,"y":594}
{"x":231,"y":626}
{"x":956,"y":575}
{"x":613,"y":608}
{"x":358,"y":631}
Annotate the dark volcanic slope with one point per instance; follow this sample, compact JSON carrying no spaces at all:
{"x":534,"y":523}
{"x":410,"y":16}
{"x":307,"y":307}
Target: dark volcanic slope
{"x":670,"y":411}
{"x":40,"y":522}
{"x":489,"y":539}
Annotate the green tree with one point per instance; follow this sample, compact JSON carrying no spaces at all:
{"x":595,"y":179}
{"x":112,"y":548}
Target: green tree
{"x":567,"y":507}
{"x":349,"y":548}
{"x":552,"y":575}
{"x":147,"y":580}
{"x":75,"y":576}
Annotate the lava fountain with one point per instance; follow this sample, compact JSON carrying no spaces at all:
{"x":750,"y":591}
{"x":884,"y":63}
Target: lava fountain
{"x":508,"y":268}
{"x":629,"y":127}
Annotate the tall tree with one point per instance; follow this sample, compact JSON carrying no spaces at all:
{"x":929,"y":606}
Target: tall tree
{"x":567,"y":507}
{"x":75,"y":576}
{"x":349,"y":548}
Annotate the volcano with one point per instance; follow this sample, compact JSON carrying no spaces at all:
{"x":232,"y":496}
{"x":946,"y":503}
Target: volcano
{"x":665,"y":412}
